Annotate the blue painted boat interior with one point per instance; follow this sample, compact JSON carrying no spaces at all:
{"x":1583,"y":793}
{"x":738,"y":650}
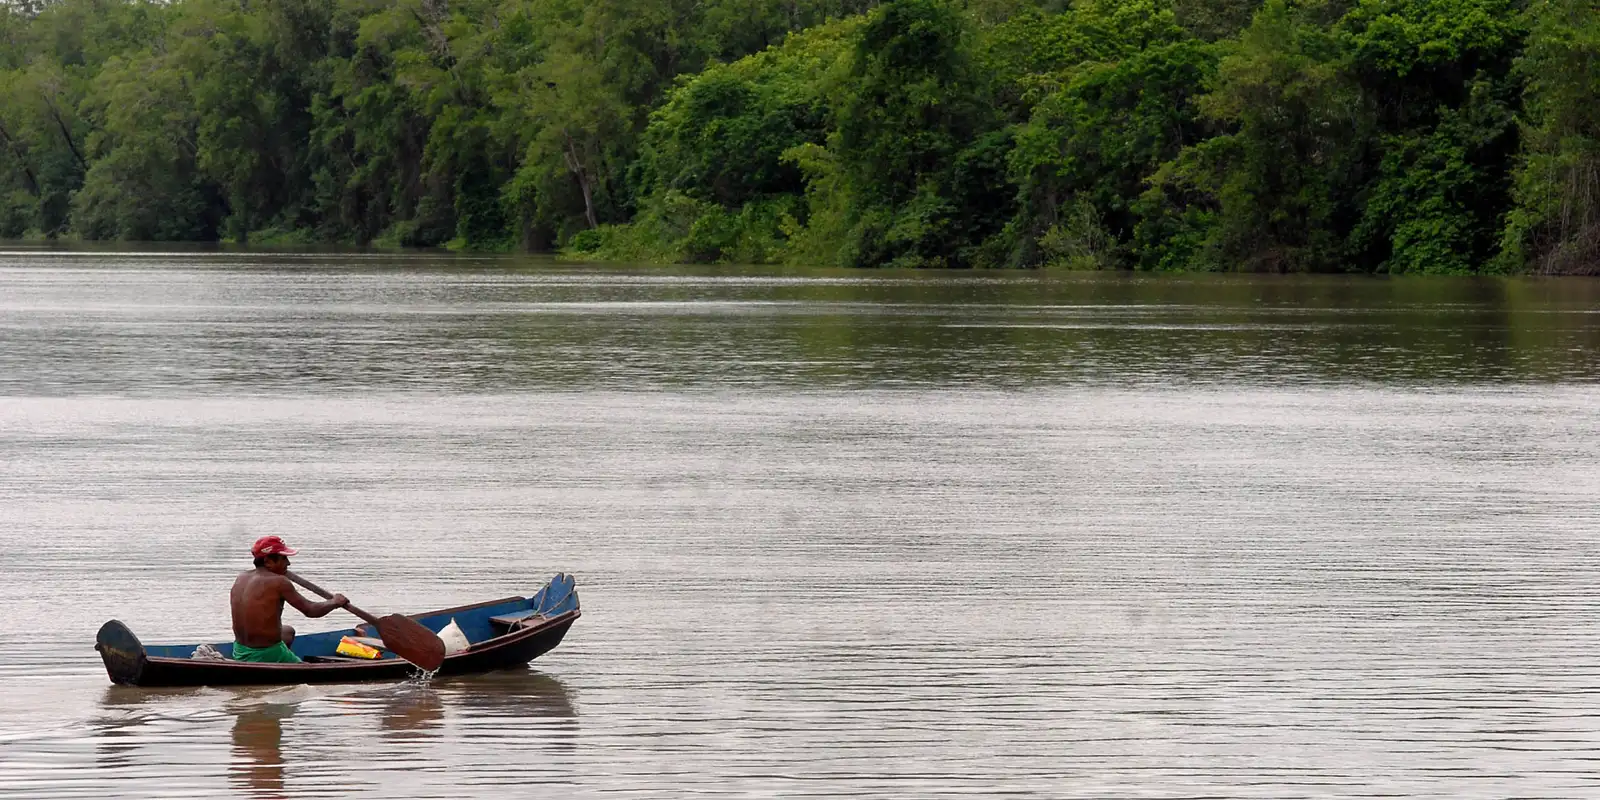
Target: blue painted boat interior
{"x":557,"y":597}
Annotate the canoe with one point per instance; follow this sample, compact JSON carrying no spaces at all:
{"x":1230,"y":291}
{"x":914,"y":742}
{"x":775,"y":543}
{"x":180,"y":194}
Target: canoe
{"x":503,"y":633}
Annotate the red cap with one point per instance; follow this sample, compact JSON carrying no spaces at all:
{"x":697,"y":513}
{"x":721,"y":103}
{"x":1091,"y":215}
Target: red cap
{"x":268,"y":545}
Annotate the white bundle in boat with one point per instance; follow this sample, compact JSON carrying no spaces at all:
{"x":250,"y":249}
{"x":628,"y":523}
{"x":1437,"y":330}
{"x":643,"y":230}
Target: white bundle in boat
{"x":208,"y":653}
{"x":454,"y":640}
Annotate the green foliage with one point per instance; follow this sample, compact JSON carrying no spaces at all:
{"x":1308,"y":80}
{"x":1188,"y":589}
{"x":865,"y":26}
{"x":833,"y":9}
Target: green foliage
{"x":1379,"y":139}
{"x":1556,"y":221}
{"x":1292,"y":124}
{"x":145,"y":182}
{"x":714,"y":175}
{"x":1214,"y":20}
{"x":1437,"y":196}
{"x":721,"y":136}
{"x":1101,"y":128}
{"x":1401,"y":37}
{"x":1439,"y":80}
{"x":17,"y":214}
{"x":674,"y":227}
{"x":915,"y":166}
{"x":1442,"y":136}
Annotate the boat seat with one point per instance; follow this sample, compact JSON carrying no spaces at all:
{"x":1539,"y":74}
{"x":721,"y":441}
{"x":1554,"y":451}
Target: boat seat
{"x":329,"y":659}
{"x":506,"y":622}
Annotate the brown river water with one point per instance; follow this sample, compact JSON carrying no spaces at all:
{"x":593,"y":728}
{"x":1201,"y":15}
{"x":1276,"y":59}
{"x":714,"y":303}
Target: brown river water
{"x":836,"y":534}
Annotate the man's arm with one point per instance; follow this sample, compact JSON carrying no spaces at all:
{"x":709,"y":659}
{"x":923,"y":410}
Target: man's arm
{"x":313,"y":610}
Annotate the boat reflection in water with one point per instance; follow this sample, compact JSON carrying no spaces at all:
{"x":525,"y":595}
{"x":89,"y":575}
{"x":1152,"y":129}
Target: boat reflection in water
{"x":286,"y":741}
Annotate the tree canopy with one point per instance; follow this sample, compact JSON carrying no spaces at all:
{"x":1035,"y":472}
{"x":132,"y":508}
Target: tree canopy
{"x":1396,"y":136}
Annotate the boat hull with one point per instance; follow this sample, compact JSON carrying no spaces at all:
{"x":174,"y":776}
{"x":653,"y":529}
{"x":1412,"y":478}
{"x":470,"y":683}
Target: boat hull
{"x":495,"y":645}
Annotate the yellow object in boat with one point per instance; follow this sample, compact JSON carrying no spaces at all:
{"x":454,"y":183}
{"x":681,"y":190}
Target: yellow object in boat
{"x":354,"y":649}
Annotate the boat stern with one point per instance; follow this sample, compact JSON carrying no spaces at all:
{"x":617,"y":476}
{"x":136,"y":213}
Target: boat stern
{"x":122,"y":653}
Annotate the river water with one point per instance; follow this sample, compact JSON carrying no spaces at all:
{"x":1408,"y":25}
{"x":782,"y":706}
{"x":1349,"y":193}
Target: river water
{"x":836,"y":534}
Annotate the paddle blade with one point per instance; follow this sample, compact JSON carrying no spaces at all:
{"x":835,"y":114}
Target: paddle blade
{"x":408,"y":639}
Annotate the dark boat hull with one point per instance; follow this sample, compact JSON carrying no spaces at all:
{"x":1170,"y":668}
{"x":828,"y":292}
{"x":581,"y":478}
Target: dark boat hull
{"x":550,"y":613}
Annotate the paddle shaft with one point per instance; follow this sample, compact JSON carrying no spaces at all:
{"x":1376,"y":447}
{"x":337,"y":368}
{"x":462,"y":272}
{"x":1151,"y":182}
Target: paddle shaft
{"x":403,"y":636}
{"x":327,"y":595}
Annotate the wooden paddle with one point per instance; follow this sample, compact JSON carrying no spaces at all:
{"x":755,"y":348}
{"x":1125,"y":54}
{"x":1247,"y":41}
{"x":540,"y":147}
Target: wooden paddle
{"x":403,"y":636}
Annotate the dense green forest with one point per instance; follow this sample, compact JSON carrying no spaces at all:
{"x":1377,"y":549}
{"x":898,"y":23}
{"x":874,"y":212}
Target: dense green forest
{"x":1442,"y":136}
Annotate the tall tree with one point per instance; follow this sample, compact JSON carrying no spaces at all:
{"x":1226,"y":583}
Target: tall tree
{"x":1556,"y":221}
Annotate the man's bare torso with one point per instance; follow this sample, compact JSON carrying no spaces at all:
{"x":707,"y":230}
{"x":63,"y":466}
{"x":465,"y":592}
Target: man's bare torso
{"x":257,"y":601}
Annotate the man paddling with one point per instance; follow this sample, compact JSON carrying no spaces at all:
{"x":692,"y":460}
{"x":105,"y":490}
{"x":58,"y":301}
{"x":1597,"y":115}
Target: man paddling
{"x":258,"y":597}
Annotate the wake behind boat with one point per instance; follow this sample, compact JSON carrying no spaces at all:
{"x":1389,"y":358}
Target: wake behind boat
{"x":500,"y":633}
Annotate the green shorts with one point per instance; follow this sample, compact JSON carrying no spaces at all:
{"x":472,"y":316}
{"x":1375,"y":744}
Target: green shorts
{"x":276,"y":653}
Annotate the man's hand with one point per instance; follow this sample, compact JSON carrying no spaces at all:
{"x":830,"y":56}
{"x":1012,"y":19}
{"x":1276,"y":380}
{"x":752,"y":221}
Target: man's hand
{"x":339,"y":601}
